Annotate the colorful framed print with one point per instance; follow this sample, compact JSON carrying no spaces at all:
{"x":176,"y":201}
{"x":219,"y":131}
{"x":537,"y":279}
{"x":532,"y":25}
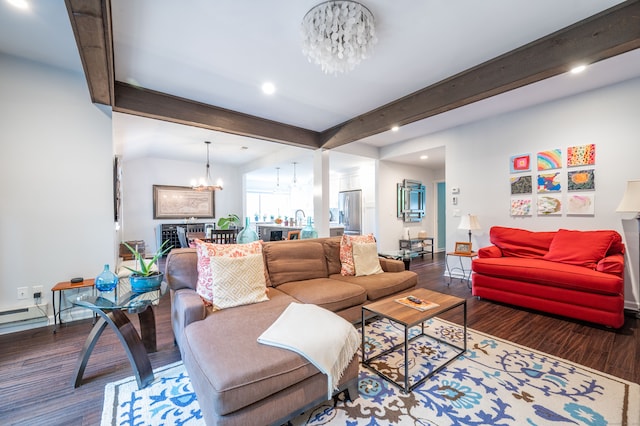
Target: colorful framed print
{"x":521,"y":206}
{"x":581,"y":204}
{"x":549,"y":160}
{"x":520,"y":163}
{"x":581,"y":155}
{"x":521,"y":185}
{"x":549,"y":205}
{"x":581,"y":180}
{"x":549,"y":182}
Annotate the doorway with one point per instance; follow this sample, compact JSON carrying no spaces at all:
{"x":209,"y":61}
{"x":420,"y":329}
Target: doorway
{"x":441,"y":217}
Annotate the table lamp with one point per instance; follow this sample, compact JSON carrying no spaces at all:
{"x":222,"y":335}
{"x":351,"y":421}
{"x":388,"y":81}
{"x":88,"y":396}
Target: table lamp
{"x":631,"y":198}
{"x":469,"y":222}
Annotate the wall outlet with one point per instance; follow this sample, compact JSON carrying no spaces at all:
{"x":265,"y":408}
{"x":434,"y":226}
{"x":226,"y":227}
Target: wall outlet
{"x":23,"y":293}
{"x":36,"y":289}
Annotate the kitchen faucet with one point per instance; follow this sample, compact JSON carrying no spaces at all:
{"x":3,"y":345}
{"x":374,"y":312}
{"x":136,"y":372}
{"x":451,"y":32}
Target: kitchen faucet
{"x":299,"y":222}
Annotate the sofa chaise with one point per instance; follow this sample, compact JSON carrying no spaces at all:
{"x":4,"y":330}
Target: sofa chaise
{"x":241,"y":382}
{"x":577,"y":274}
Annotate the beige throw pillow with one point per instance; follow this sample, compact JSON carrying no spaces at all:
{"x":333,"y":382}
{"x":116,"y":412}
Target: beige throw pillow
{"x":238,"y":280}
{"x":365,"y":259}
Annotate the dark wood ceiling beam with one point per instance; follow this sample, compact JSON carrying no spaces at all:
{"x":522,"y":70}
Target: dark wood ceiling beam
{"x":610,"y":33}
{"x":147,"y":103}
{"x":91,"y":24}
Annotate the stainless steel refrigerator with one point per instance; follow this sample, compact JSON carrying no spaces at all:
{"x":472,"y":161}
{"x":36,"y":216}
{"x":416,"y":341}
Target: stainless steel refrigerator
{"x":350,"y":211}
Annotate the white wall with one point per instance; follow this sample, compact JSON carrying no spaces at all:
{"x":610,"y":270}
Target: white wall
{"x":390,"y":228}
{"x":56,"y":214}
{"x":138,"y":178}
{"x":478,"y":162}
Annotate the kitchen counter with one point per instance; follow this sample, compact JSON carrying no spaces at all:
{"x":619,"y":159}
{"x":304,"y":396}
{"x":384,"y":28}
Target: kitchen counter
{"x":265,"y":229}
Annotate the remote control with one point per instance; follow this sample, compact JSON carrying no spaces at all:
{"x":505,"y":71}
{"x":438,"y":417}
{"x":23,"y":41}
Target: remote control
{"x":414,"y":300}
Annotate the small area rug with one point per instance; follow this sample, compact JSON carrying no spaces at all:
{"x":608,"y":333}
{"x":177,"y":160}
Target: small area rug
{"x":495,"y":383}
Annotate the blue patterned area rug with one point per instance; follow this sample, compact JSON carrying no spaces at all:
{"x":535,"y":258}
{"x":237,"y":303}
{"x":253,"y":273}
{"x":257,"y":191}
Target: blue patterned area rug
{"x":494,"y":383}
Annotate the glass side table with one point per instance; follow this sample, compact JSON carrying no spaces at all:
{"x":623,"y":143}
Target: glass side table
{"x":404,"y":255}
{"x":110,"y":307}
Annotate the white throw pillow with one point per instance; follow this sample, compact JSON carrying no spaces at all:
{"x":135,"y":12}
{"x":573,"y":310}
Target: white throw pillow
{"x":238,"y":280}
{"x":365,"y":259}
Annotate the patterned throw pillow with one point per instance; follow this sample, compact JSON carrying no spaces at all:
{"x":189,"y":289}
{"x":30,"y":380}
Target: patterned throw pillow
{"x":206,"y":251}
{"x":238,"y":280}
{"x":346,"y":251}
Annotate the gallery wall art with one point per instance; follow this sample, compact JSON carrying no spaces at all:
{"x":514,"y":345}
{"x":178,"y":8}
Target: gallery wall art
{"x":521,"y":185}
{"x":581,"y":204}
{"x":555,"y":191}
{"x":581,"y":155}
{"x":549,"y":160}
{"x":520,"y":163}
{"x":521,"y":206}
{"x":581,"y":180}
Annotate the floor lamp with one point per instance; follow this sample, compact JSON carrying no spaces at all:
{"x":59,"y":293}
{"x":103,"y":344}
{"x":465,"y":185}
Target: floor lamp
{"x":631,"y":203}
{"x":469,"y":222}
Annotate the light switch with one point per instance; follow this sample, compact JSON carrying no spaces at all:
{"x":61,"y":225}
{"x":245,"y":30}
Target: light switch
{"x":454,"y":201}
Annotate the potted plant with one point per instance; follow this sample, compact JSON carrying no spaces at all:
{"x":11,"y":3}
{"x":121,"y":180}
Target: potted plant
{"x":226,"y":222}
{"x":145,"y":278}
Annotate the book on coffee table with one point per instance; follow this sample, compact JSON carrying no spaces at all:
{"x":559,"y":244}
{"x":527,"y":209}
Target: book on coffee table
{"x":412,"y":302}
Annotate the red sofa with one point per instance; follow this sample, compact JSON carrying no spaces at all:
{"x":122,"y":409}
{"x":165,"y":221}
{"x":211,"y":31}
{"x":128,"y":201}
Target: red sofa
{"x":578,"y":274}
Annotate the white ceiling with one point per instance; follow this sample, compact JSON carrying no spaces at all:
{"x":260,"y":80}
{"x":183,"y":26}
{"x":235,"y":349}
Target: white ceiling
{"x":220,"y":52}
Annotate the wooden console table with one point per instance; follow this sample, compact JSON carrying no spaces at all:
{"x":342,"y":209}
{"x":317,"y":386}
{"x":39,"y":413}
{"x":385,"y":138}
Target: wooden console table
{"x":60,"y":288}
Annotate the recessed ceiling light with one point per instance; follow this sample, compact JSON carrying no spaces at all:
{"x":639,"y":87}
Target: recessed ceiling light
{"x":578,"y":69}
{"x":268,"y":88}
{"x":20,"y":4}
{"x":424,"y":157}
{"x":395,"y":128}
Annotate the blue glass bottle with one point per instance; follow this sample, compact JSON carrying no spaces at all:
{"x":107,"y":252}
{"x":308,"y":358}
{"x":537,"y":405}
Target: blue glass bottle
{"x":107,"y":280}
{"x":309,"y":231}
{"x":248,"y":234}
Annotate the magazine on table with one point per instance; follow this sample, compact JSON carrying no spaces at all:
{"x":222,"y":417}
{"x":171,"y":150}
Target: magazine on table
{"x":417,"y":303}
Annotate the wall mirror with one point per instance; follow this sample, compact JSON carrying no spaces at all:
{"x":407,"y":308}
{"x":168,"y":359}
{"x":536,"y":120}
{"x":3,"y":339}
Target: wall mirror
{"x":411,"y":200}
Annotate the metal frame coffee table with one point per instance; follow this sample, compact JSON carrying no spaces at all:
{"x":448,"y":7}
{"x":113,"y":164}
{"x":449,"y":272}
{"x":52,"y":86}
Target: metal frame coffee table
{"x":408,"y":318}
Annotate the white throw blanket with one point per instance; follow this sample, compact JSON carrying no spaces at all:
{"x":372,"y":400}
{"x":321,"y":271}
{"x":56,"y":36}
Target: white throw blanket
{"x":327,"y":340}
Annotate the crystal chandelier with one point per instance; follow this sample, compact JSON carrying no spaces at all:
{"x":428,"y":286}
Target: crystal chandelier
{"x":337,"y":35}
{"x":205,"y":183}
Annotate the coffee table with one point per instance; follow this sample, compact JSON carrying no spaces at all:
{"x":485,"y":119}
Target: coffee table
{"x":409,"y":317}
{"x":111,"y":307}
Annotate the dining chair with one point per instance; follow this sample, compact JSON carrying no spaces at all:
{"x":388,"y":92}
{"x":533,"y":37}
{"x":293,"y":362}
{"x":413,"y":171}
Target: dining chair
{"x":182,"y":236}
{"x":224,"y":236}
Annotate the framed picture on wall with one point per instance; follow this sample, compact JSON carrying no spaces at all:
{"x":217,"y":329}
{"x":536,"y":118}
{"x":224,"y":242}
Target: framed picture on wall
{"x":178,"y":202}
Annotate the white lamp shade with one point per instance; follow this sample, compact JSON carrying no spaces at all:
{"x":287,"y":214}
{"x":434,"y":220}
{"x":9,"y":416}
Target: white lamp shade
{"x":631,"y":198}
{"x":469,"y":222}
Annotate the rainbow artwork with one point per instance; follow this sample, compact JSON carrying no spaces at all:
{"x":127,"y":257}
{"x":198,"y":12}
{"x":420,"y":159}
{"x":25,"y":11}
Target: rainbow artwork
{"x":582,"y":155}
{"x":551,"y":159}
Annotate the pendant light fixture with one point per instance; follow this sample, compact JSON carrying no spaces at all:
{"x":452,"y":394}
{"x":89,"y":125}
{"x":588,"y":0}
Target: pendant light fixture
{"x":295,"y":178}
{"x":205,"y":183}
{"x":277,"y":188}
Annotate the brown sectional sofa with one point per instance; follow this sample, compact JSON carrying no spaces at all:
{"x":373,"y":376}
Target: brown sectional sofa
{"x":241,"y":382}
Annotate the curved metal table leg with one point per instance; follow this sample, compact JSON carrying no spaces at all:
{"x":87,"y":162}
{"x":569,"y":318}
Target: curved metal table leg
{"x":128,"y":335}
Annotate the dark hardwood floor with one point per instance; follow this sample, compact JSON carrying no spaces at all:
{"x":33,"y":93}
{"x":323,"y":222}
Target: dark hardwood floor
{"x":36,"y":366}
